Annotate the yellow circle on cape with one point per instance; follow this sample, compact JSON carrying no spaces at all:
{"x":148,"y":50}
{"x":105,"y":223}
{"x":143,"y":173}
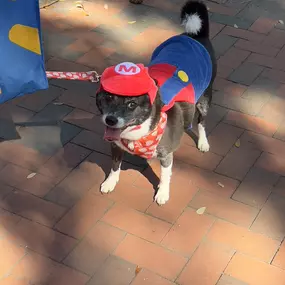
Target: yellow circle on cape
{"x":183,"y":76}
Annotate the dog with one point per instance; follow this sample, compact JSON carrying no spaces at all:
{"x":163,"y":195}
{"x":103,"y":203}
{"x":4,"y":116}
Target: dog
{"x":146,"y":110}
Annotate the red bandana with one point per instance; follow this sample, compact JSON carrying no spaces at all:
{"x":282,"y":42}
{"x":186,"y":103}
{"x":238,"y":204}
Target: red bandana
{"x":146,"y":146}
{"x":128,"y":79}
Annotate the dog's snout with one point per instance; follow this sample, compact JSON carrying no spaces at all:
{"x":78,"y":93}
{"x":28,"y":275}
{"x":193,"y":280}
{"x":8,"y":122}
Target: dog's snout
{"x":111,"y":121}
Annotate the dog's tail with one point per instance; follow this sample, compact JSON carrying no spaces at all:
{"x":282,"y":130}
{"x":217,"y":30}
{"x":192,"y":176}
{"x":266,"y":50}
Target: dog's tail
{"x":195,"y":19}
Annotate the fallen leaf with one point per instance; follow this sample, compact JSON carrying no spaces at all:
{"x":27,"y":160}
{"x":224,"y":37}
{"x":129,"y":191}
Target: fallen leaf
{"x":236,"y":26}
{"x":132,"y":22}
{"x":106,"y":7}
{"x":79,"y":5}
{"x":281,"y":22}
{"x":221,"y":185}
{"x":201,"y":211}
{"x":138,"y":270}
{"x":237,"y":143}
{"x":31,"y":175}
{"x":57,"y":103}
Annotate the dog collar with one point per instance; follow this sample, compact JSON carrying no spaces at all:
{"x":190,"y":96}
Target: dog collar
{"x":146,"y":146}
{"x":128,"y":79}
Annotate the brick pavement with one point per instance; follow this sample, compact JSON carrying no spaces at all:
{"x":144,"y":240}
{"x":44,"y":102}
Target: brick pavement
{"x":55,"y":227}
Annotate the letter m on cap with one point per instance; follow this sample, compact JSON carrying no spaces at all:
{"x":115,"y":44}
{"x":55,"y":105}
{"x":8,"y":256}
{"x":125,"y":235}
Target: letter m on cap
{"x":128,"y":69}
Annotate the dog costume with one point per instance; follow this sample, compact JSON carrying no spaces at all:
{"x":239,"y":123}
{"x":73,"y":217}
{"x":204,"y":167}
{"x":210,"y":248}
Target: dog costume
{"x":182,"y":68}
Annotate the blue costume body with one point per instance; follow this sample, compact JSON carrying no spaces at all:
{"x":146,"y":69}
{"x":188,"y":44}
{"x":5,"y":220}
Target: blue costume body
{"x":183,"y":69}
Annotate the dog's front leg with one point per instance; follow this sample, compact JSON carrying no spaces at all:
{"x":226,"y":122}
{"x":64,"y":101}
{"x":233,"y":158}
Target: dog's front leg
{"x":110,"y":183}
{"x":162,"y":195}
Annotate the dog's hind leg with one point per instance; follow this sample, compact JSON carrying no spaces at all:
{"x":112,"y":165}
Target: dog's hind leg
{"x":203,"y":107}
{"x":162,"y":195}
{"x":113,"y":178}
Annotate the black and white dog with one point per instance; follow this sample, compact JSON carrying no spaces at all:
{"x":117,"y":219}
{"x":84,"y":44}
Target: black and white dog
{"x":147,"y":110}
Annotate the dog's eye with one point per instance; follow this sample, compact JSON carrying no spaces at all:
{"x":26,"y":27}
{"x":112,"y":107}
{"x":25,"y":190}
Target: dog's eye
{"x":109,"y":97}
{"x":132,"y":105}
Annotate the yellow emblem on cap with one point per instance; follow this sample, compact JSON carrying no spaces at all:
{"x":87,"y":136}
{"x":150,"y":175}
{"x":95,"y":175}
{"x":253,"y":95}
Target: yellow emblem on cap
{"x":183,"y":76}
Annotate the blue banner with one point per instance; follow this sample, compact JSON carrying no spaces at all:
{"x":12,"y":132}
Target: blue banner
{"x":22,"y":68}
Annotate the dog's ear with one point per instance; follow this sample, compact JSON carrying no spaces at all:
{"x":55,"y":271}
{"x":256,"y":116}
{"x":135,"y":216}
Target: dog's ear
{"x":99,"y":101}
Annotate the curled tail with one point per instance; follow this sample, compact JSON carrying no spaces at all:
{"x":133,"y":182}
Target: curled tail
{"x":195,"y":19}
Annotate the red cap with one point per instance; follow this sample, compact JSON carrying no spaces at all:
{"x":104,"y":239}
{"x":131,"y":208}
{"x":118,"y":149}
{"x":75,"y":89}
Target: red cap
{"x":129,"y":79}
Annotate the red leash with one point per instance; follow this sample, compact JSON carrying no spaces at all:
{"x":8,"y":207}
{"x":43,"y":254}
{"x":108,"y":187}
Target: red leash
{"x":92,"y":76}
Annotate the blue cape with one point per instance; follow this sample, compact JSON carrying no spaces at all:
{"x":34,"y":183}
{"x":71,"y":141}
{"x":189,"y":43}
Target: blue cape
{"x":183,"y":69}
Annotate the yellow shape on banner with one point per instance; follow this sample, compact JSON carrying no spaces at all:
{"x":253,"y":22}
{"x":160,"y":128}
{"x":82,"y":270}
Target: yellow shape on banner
{"x":25,"y":37}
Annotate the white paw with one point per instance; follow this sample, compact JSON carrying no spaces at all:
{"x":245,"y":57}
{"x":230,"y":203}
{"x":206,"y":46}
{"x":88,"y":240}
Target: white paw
{"x":109,"y":184}
{"x":203,"y":145}
{"x":162,"y":195}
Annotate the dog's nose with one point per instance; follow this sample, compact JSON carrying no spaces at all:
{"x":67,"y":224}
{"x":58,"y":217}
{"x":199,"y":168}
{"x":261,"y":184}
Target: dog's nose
{"x":111,"y":121}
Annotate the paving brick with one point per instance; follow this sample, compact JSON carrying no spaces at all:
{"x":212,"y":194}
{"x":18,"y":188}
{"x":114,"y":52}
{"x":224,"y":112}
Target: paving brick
{"x":78,"y":100}
{"x":243,"y":34}
{"x":228,"y":280}
{"x":32,"y":207}
{"x":37,"y":101}
{"x":250,"y":106}
{"x":223,"y":138}
{"x":280,"y":186}
{"x":215,"y":115}
{"x":85,"y":120}
{"x":182,"y":191}
{"x":276,"y":38}
{"x":7,"y":222}
{"x":230,"y":21}
{"x":95,"y":248}
{"x":250,"y":123}
{"x":233,"y":57}
{"x":43,"y":240}
{"x":92,"y":141}
{"x":256,"y":187}
{"x":224,"y":71}
{"x":253,"y":271}
{"x":10,"y":280}
{"x":135,"y":250}
{"x":30,"y":158}
{"x":246,"y":73}
{"x":274,"y":74}
{"x":207,"y":160}
{"x":136,"y":223}
{"x":229,"y":87}
{"x":88,"y":174}
{"x":243,"y":240}
{"x":256,"y":48}
{"x":5,"y":190}
{"x":263,"y":25}
{"x":272,"y":163}
{"x":36,"y":269}
{"x":67,"y":158}
{"x":238,"y":161}
{"x":263,"y":60}
{"x":123,"y":272}
{"x":264,"y":143}
{"x":268,"y":220}
{"x":14,"y":175}
{"x":215,"y":28}
{"x":280,"y":133}
{"x":227,"y":209}
{"x":221,"y":9}
{"x":272,"y":111}
{"x":222,"y":43}
{"x":209,"y":181}
{"x":154,"y":279}
{"x":201,"y":270}
{"x":10,"y":255}
{"x":181,"y":238}
{"x":83,"y":215}
{"x":279,"y":259}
